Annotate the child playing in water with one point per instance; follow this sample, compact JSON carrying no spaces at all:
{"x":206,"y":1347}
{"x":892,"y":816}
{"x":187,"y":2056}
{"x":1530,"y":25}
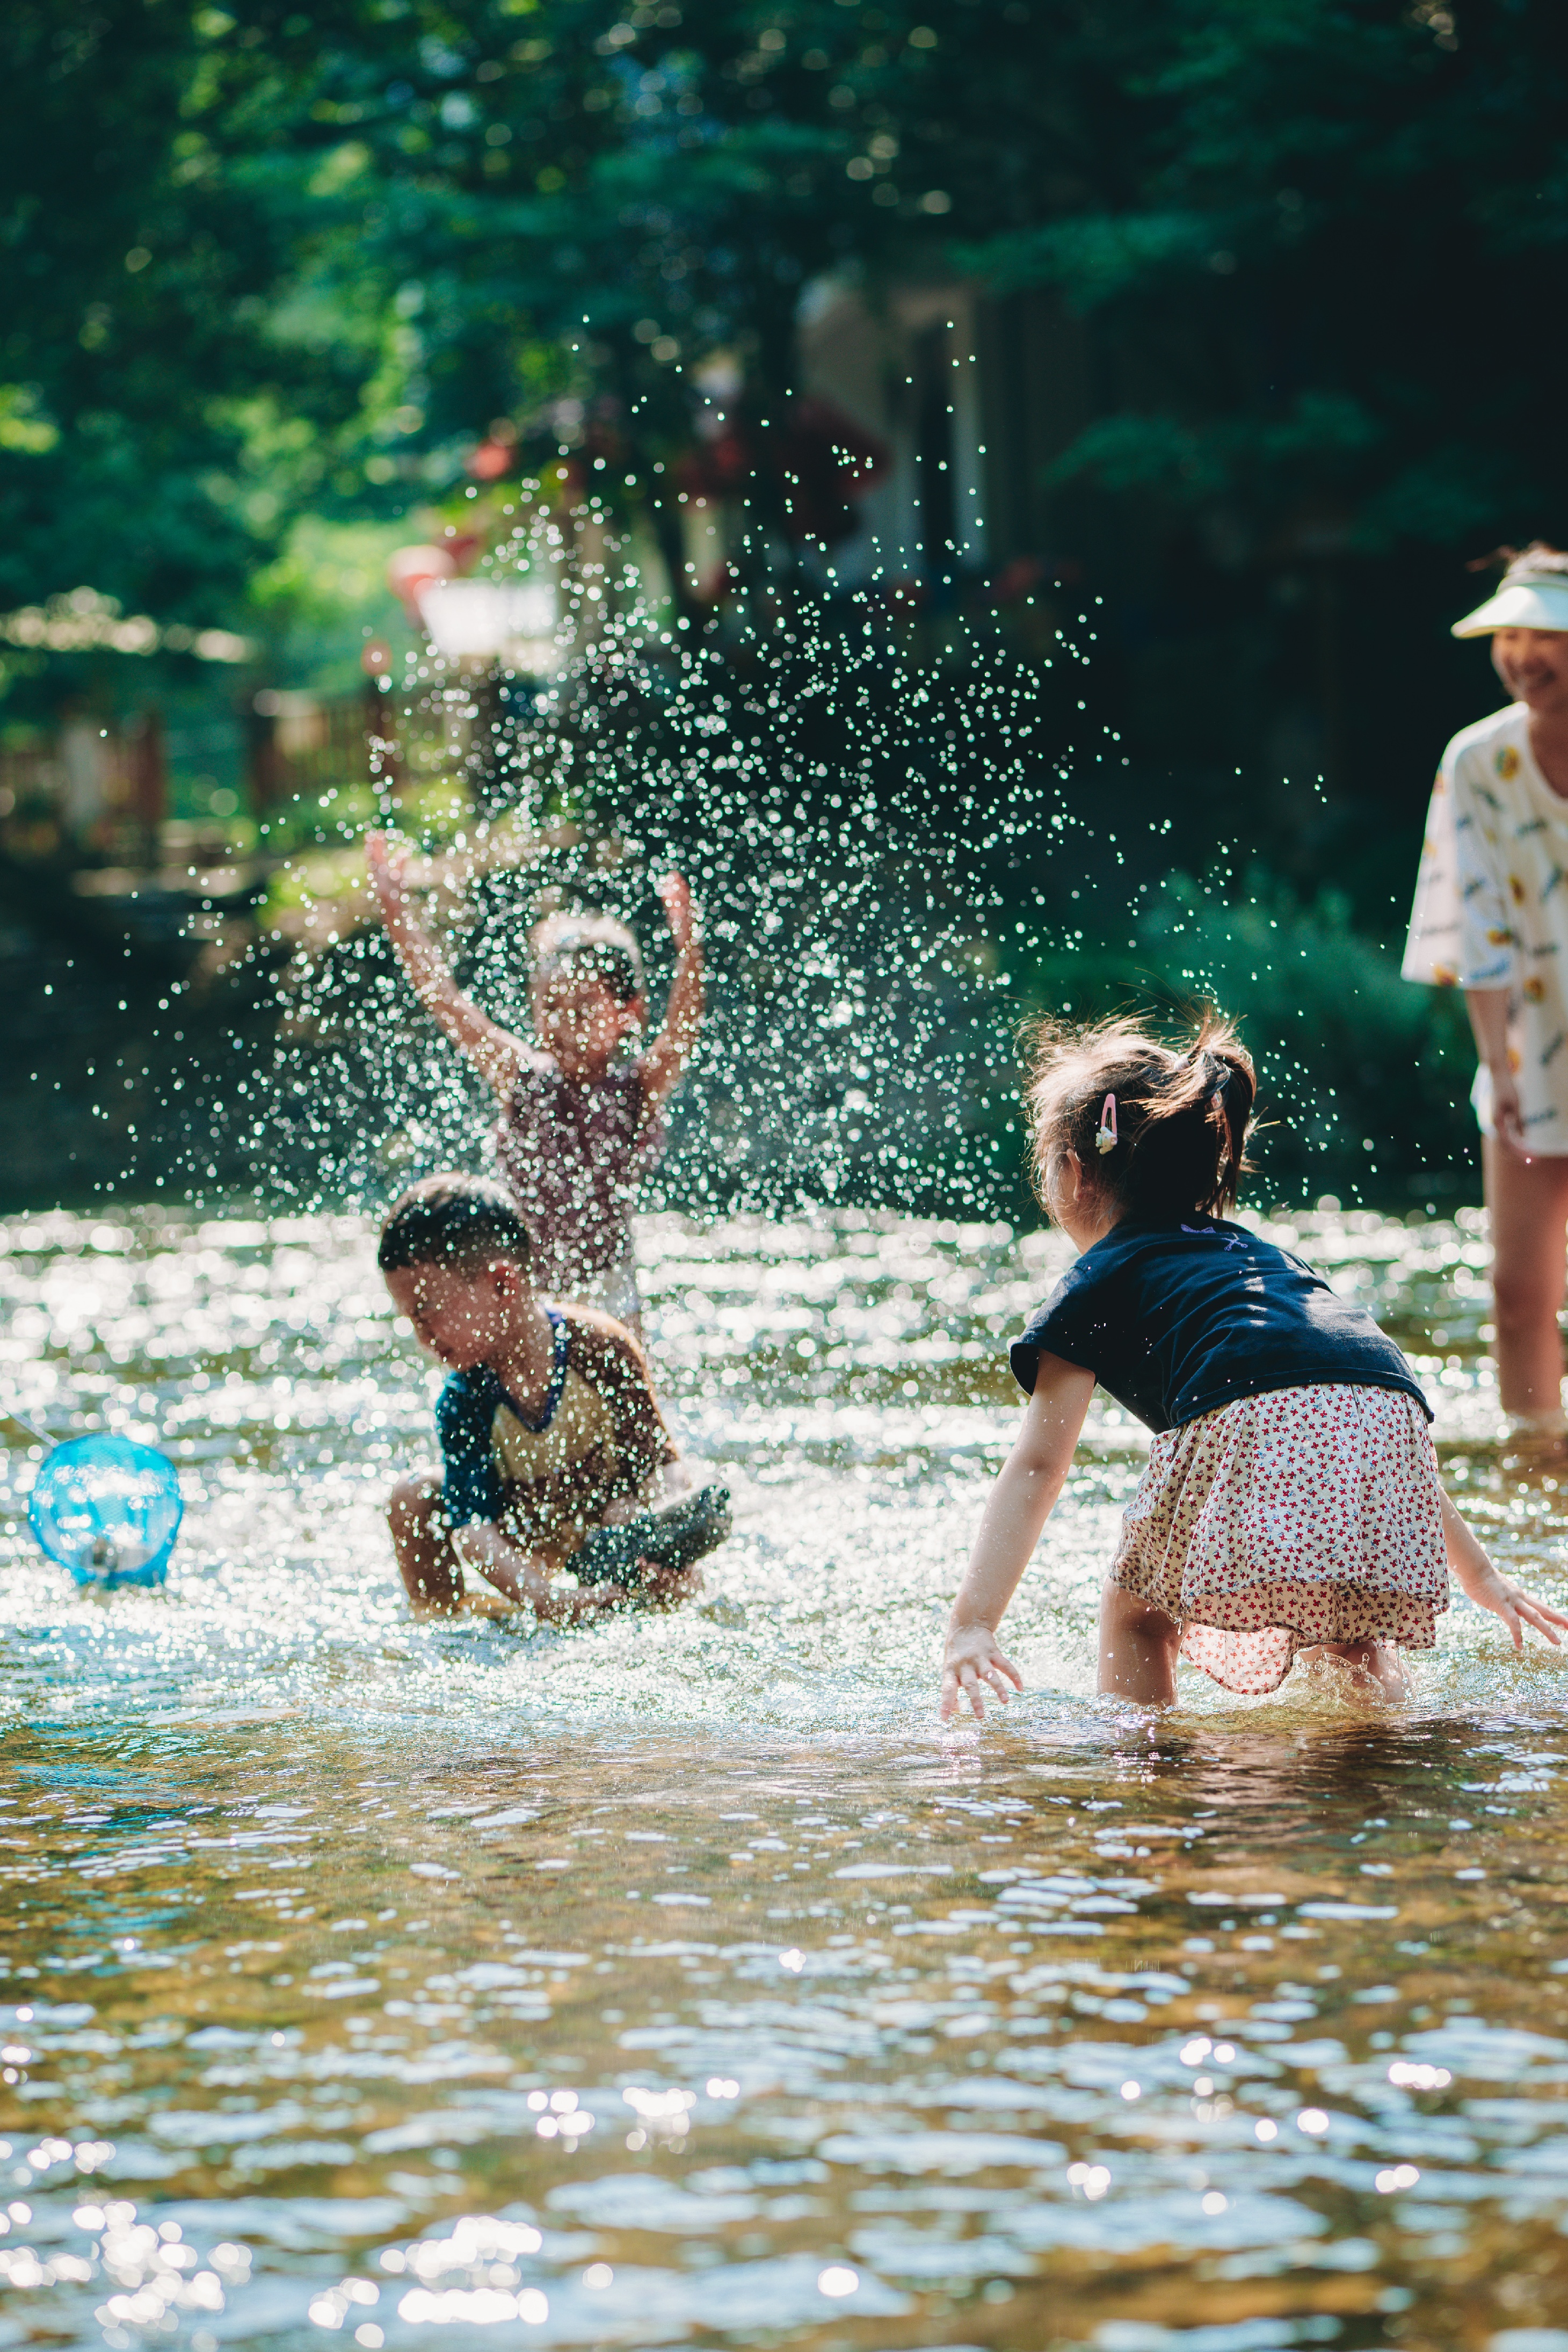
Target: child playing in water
{"x":1292,"y":1505}
{"x":579,"y":1128}
{"x":554,"y":1450}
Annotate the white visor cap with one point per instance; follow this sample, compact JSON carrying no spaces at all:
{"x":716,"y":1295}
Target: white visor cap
{"x":1526,"y":600}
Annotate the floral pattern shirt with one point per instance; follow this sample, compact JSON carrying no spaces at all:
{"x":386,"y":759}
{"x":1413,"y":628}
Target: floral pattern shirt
{"x":1491,"y":909}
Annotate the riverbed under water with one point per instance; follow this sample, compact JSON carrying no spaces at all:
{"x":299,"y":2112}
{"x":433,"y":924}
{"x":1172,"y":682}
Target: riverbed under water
{"x":681,"y":1981}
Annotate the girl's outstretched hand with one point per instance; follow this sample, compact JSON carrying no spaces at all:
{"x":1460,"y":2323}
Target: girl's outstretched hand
{"x":1501,"y":1595}
{"x":973,"y":1663}
{"x":675,"y":897}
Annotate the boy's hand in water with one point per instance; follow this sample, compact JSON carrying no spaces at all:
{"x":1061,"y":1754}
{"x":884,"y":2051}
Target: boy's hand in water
{"x":973,"y":1663}
{"x":662,"y":1587}
{"x":571,"y":1606}
{"x":675,"y":897}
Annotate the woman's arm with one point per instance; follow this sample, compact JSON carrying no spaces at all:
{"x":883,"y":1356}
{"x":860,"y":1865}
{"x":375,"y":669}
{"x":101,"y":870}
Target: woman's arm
{"x":1488,"y":1588}
{"x":493,"y":1051}
{"x":1020,"y":1503}
{"x":672,"y":1048}
{"x":1488,"y":1009}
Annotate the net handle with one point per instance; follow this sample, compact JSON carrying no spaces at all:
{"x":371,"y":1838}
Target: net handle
{"x":9,"y":1412}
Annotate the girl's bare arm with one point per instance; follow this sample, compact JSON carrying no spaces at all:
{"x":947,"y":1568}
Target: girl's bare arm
{"x":493,"y":1051}
{"x":672,"y":1048}
{"x":1019,"y":1505}
{"x":1484,"y":1584}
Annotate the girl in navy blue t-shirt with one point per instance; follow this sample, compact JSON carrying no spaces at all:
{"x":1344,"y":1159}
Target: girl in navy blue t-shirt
{"x":1291,"y":1503}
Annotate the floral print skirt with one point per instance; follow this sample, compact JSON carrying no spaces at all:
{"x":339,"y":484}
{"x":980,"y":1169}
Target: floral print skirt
{"x":1296,"y":1517}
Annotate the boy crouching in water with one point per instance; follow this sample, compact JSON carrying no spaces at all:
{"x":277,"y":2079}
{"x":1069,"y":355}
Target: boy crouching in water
{"x":554,"y":1452}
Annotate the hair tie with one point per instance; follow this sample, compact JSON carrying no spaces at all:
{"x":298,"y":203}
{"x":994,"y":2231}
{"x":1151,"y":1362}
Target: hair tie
{"x":1219,"y":1094}
{"x":1106,"y":1137}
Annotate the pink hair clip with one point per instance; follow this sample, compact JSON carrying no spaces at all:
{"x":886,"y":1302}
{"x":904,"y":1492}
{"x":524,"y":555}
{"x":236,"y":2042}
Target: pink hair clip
{"x":1106,"y":1138}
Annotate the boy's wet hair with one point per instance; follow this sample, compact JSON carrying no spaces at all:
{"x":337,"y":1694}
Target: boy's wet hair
{"x":1181,"y":1120}
{"x":461,"y":1222}
{"x":563,"y":945}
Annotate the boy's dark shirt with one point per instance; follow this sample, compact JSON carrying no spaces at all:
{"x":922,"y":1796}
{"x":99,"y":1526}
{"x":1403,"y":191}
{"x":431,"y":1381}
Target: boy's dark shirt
{"x":1178,"y":1319}
{"x":548,"y":1481}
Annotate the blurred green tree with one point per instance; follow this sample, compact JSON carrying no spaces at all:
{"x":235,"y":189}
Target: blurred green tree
{"x":1329,"y":259}
{"x":588,"y":217}
{"x":261,"y":259}
{"x":1316,"y":246}
{"x":168,"y":388}
{"x":1292,"y":217}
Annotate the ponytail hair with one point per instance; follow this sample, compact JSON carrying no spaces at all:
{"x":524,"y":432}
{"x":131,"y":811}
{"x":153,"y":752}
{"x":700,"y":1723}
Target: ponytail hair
{"x":1173,"y":1141}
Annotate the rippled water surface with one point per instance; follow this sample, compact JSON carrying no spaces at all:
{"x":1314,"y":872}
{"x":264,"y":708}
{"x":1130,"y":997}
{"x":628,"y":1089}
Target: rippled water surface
{"x":681,"y":1983}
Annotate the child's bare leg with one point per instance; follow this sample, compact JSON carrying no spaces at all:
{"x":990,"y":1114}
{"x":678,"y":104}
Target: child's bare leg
{"x":423,"y":1542}
{"x":1378,"y":1665}
{"x":1137,"y":1649}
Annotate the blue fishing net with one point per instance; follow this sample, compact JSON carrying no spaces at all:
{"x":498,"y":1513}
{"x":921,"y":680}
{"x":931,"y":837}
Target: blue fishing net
{"x":108,"y":1509}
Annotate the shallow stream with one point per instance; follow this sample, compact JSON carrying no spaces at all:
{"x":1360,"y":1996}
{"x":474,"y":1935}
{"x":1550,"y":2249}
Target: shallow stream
{"x":682,"y":1981}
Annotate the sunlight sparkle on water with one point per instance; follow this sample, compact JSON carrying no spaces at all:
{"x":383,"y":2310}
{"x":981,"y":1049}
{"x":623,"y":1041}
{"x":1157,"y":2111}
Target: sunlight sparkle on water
{"x":394,"y":1983}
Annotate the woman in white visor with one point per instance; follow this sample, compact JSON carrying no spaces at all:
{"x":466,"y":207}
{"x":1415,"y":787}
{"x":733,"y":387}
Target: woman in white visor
{"x":1491,"y":917}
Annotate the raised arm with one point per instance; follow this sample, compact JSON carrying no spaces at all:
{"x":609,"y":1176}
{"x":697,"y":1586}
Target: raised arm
{"x":493,"y":1050}
{"x":672,"y":1048}
{"x":1020,"y":1503}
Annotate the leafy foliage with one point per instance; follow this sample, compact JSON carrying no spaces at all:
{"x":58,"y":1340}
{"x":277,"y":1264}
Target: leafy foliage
{"x":1319,"y":242}
{"x":1363,"y":1077}
{"x":163,"y":402}
{"x":1338,"y":226}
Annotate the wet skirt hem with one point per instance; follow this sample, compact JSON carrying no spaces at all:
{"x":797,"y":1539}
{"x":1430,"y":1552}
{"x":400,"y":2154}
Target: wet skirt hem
{"x":1248,"y":1519}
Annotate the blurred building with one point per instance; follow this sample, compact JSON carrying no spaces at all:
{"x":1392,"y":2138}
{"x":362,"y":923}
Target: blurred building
{"x":971,"y":397}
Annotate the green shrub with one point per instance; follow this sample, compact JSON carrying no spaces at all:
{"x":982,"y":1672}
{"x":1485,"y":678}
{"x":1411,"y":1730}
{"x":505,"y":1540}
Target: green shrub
{"x":1364,"y":1077}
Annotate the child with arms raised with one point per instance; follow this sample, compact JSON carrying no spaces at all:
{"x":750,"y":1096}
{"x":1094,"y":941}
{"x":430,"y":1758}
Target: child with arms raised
{"x":579,"y":1126}
{"x":555,"y":1455}
{"x":1292,"y":1505}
